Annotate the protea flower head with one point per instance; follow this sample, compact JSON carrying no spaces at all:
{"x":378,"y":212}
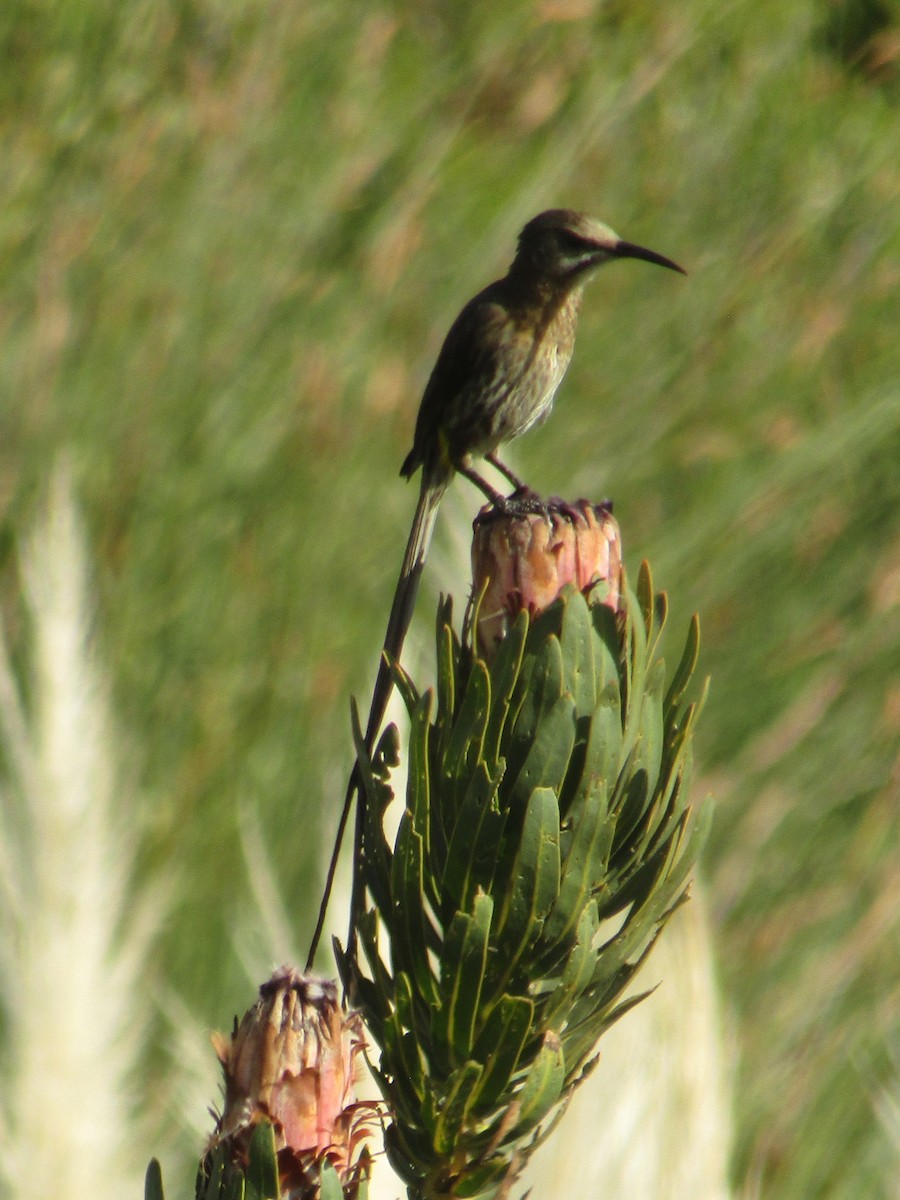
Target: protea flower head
{"x":525,"y":561}
{"x":289,"y":1071}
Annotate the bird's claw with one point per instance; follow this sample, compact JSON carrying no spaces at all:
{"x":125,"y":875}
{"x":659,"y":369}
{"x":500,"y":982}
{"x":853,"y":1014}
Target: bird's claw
{"x":573,"y":509}
{"x":521,"y":502}
{"x":524,"y":501}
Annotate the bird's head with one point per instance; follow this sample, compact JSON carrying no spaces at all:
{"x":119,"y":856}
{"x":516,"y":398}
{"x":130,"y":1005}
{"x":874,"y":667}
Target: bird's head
{"x":563,"y":246}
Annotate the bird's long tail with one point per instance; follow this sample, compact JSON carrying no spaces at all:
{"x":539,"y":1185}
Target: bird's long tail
{"x":430,"y":496}
{"x":432,"y":490}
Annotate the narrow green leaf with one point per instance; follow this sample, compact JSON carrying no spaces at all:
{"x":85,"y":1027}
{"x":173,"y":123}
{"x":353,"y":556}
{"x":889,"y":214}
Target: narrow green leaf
{"x":153,"y":1184}
{"x":463,"y":965}
{"x":635,"y":669}
{"x":603,"y":759}
{"x":363,"y":760}
{"x":645,"y":597}
{"x":581,"y":1043}
{"x":329,"y":1184}
{"x":650,"y":741}
{"x":673,"y":793}
{"x":408,"y":1152}
{"x":418,"y":783}
{"x":641,"y":925}
{"x":542,"y":1087}
{"x":633,"y":796}
{"x":660,"y":615}
{"x":465,"y":742}
{"x":639,"y":878}
{"x":544,"y":685}
{"x":697,"y":822}
{"x":452,"y":669}
{"x":218,"y":1178}
{"x":481,"y":1180}
{"x":407,"y":919}
{"x":405,"y":686}
{"x":576,"y":976}
{"x":367,"y":932}
{"x":408,"y":1066}
{"x":539,"y":688}
{"x":446,"y":681}
{"x":462,"y":1087}
{"x":545,"y":758}
{"x":500,"y":1045}
{"x":474,"y":844}
{"x":584,"y":865}
{"x":577,"y":646}
{"x":418,"y":791}
{"x":235,"y":1186}
{"x":608,"y":646}
{"x":444,"y":616}
{"x":686,"y":667}
{"x":595,"y":758}
{"x":402,"y":1103}
{"x":626,"y":1005}
{"x":662,"y":874}
{"x":377,"y":794}
{"x":262,"y":1167}
{"x":587,"y":1018}
{"x":534,"y":880}
{"x":580,"y":964}
{"x":504,"y":673}
{"x":629,"y":799}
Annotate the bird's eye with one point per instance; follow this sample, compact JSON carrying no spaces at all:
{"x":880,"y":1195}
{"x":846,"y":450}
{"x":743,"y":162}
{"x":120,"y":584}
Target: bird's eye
{"x":571,"y":242}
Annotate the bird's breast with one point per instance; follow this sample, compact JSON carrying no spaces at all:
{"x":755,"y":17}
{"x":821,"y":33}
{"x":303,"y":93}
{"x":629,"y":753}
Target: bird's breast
{"x":498,"y":371}
{"x":529,"y":378}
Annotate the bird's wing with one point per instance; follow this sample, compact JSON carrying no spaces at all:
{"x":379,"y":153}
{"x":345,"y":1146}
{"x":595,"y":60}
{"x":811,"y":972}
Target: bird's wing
{"x":480,"y":361}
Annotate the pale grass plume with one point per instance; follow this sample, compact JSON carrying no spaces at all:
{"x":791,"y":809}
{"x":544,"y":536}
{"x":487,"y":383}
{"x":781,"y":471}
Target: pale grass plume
{"x":886,"y":1102}
{"x":74,"y":937}
{"x":193,"y":1086}
{"x":264,"y":935}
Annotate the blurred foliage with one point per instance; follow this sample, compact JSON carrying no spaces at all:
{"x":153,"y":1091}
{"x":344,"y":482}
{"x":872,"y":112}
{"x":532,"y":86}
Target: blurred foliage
{"x":231,"y":239}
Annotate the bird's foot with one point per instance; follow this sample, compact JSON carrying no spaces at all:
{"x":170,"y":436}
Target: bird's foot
{"x":522,"y":501}
{"x":572,"y":509}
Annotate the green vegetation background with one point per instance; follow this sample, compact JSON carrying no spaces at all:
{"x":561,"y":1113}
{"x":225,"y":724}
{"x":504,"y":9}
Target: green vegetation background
{"x":232,"y":236}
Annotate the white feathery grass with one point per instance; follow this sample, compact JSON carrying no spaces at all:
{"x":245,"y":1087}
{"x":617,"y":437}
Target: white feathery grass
{"x":886,"y":1103}
{"x":193,"y":1086}
{"x":265,"y":937}
{"x":73,"y":937}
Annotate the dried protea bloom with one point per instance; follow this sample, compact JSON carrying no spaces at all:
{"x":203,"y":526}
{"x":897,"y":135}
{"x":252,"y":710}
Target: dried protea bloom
{"x":523,"y":561}
{"x":290,"y":1063}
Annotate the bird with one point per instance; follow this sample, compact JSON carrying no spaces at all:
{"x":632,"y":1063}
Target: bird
{"x":495,"y":377}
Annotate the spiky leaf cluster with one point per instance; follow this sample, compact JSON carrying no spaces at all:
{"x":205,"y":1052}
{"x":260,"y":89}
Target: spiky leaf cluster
{"x":546,"y":837}
{"x":221,"y":1177}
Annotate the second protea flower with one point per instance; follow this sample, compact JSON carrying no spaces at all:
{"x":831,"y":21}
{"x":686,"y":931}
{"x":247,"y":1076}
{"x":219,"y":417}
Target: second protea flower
{"x":289,"y":1071}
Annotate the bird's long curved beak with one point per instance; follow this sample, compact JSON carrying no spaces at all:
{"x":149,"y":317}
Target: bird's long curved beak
{"x":629,"y":250}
